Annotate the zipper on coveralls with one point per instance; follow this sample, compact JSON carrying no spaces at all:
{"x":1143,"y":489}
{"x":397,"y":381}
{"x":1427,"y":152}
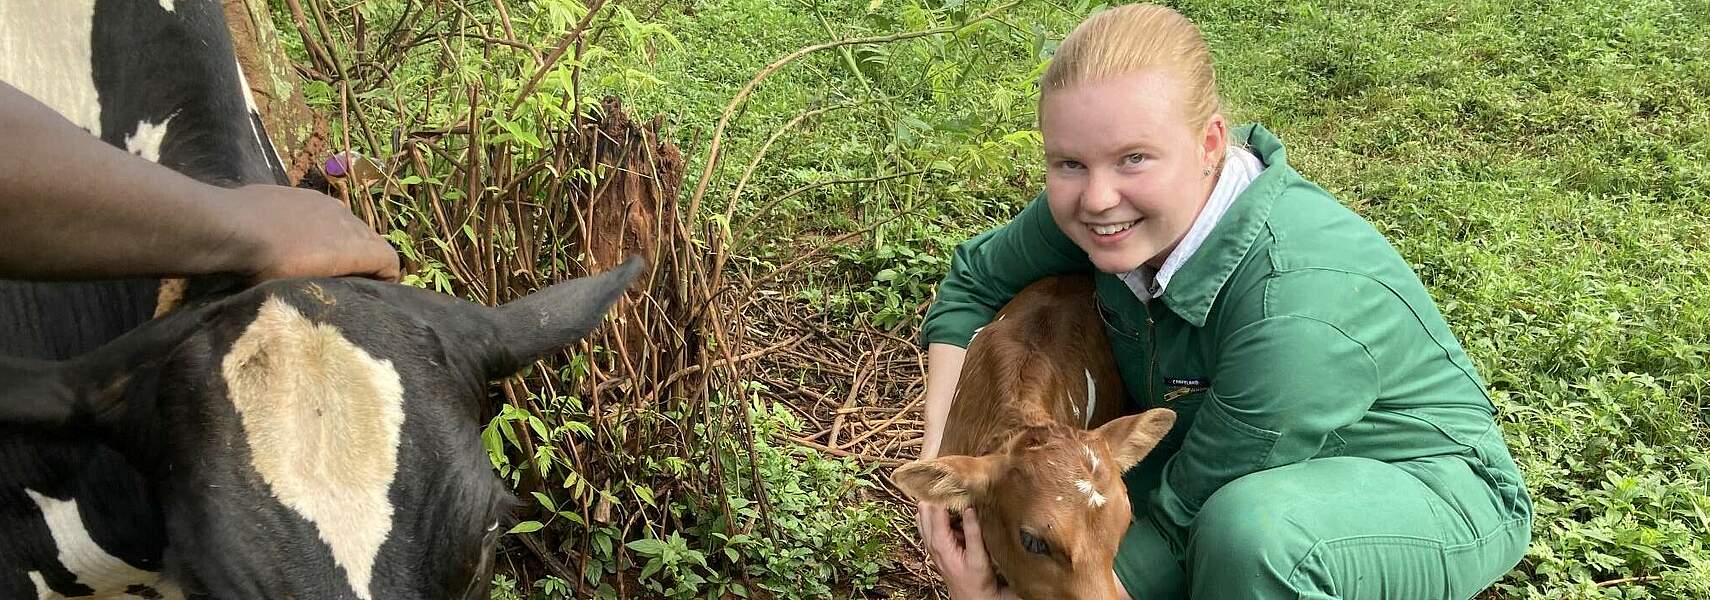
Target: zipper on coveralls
{"x":1151,"y":355}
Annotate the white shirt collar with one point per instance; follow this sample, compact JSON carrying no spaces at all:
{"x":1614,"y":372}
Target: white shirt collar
{"x":1240,"y":168}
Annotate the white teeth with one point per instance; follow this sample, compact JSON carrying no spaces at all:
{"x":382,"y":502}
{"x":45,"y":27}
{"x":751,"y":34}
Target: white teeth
{"x":1113,"y":229}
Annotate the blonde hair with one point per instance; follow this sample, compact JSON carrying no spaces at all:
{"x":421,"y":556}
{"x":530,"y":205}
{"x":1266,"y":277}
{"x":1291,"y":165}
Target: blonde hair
{"x":1133,"y":38}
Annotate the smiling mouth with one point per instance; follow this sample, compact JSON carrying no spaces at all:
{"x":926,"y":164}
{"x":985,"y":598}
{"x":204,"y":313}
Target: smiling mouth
{"x":1113,"y":228}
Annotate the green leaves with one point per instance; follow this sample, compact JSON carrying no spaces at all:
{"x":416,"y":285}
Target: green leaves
{"x":525,"y":527}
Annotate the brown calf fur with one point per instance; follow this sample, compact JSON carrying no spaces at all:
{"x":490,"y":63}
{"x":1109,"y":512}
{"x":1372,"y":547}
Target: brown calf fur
{"x":1018,"y":445}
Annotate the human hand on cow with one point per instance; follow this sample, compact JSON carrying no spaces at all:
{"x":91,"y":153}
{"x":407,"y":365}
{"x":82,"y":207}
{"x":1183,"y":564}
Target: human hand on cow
{"x":961,"y":559}
{"x":302,"y":233}
{"x":74,"y":207}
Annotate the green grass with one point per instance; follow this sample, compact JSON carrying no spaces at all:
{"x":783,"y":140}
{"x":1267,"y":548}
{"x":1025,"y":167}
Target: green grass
{"x":1544,"y":165}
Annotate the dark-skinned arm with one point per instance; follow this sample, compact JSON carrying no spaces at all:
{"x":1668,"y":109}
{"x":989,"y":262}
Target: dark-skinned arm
{"x":74,"y":207}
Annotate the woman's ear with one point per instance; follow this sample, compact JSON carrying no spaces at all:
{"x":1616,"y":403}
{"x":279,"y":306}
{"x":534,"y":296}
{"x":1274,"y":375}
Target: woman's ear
{"x":1213,"y":141}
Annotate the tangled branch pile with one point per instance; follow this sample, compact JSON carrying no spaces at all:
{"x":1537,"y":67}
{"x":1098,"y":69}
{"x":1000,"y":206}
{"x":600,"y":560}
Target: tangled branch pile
{"x":494,"y":175}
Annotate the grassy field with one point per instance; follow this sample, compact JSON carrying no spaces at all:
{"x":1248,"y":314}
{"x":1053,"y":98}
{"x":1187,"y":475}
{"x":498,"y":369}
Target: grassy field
{"x":1544,"y":165}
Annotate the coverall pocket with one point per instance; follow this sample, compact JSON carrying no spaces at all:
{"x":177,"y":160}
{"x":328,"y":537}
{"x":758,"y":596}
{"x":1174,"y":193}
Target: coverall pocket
{"x":1217,"y":444}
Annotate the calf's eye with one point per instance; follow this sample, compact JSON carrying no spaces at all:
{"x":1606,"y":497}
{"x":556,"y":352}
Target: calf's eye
{"x":1033,"y":544}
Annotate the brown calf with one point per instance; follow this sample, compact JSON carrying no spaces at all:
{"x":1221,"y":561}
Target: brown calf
{"x":1017,"y":445}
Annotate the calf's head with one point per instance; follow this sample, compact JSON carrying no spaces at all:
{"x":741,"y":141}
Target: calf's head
{"x":1051,"y":505}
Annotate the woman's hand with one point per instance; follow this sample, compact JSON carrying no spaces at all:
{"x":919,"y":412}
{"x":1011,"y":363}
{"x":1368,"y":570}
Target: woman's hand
{"x":961,"y":559}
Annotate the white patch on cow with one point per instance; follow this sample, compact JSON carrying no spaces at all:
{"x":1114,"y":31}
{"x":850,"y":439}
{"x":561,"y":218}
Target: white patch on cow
{"x":1093,"y":457}
{"x":243,"y":86}
{"x":42,"y":590}
{"x":79,"y":554}
{"x":146,"y":141}
{"x":166,"y":4}
{"x":1094,"y":499}
{"x":976,"y":333}
{"x":1092,"y":396}
{"x":168,"y":591}
{"x":261,"y":141}
{"x":322,"y":418}
{"x":47,"y":50}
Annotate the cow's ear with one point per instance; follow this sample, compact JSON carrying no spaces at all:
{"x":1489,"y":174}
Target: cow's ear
{"x":35,"y":393}
{"x":953,"y":481}
{"x":91,"y":387}
{"x":1130,"y":438}
{"x":532,"y":326}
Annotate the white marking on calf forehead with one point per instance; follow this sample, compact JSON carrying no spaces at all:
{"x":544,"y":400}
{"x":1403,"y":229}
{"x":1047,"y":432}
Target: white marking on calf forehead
{"x":146,"y":141}
{"x":47,"y":53}
{"x":322,"y":418}
{"x":1092,"y":396}
{"x":1092,"y":459}
{"x":1094,"y":499}
{"x":78,"y":553}
{"x":166,"y":4}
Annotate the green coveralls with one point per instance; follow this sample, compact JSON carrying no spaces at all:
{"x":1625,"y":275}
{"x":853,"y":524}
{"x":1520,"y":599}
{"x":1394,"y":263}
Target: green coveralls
{"x":1333,"y":439}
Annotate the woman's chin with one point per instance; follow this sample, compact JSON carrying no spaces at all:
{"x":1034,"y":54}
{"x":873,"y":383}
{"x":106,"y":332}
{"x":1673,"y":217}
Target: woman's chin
{"x":1116,"y":263}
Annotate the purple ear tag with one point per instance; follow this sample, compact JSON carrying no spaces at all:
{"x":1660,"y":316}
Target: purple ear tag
{"x":339,"y":164}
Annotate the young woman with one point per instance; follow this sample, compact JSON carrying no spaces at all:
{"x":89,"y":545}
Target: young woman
{"x":1333,"y":439}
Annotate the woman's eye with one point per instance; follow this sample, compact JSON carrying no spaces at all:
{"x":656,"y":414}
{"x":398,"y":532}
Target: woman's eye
{"x":1069,"y":164}
{"x":1133,"y":159}
{"x":1033,"y":544}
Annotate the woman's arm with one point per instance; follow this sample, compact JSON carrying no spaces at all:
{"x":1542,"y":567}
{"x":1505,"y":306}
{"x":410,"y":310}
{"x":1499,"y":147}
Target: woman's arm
{"x":993,"y":267}
{"x":943,"y":370}
{"x":74,"y":207}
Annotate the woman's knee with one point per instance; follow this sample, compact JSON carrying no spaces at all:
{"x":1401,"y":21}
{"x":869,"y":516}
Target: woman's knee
{"x":1241,"y":527}
{"x":1270,"y":519}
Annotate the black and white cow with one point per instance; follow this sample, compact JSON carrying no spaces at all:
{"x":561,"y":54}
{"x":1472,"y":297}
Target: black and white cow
{"x":298,"y":439}
{"x":306,"y":438}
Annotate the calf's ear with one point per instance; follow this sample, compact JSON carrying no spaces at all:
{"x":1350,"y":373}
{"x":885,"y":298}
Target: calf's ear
{"x":530,"y":327}
{"x":1132,"y":437}
{"x":953,"y":481}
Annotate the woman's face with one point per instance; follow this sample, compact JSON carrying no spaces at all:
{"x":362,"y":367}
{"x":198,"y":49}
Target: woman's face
{"x":1124,"y":171}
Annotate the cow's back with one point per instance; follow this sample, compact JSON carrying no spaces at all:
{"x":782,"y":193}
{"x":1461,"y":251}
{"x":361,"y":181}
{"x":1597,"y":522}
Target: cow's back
{"x":60,"y":320}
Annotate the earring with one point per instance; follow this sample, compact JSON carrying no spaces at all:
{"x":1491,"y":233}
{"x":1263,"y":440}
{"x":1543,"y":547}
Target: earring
{"x":1206,"y":171}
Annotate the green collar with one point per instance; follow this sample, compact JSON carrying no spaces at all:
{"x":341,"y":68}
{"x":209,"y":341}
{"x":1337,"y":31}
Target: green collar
{"x":1195,"y":286}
